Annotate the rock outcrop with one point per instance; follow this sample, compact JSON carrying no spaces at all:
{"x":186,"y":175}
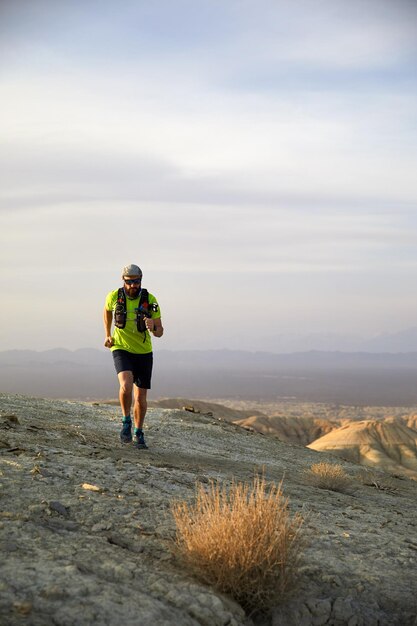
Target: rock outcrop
{"x":300,"y":430}
{"x":389,"y":445}
{"x":86,"y":529}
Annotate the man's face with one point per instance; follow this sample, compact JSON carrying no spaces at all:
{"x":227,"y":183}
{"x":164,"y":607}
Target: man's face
{"x":132,"y":285}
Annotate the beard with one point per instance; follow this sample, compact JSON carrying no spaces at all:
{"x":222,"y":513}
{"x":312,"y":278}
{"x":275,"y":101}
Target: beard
{"x":132,"y":292}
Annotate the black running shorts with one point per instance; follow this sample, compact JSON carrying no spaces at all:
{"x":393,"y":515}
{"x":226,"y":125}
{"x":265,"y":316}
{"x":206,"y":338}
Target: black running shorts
{"x":139,"y":364}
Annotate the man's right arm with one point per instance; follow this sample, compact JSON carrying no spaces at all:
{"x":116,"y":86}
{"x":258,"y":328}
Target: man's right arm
{"x":107,"y":320}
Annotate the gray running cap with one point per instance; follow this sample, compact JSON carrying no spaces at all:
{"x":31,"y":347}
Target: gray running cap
{"x":131,"y":270}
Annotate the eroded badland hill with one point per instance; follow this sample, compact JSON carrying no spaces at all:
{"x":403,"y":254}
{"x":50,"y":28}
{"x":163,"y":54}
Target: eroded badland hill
{"x":85,"y":523}
{"x":376,"y":437}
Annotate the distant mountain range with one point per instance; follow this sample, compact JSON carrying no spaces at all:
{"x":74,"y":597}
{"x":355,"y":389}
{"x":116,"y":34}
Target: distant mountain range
{"x":402,"y":341}
{"x":344,"y":378}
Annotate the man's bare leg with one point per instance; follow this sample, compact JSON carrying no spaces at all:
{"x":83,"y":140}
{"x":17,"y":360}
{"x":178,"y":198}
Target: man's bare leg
{"x":141,"y":406}
{"x":125,"y":398}
{"x":125,"y":391}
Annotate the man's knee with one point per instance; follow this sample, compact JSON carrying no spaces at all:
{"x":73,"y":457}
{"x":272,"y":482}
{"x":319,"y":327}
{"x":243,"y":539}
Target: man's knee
{"x":126,"y":384}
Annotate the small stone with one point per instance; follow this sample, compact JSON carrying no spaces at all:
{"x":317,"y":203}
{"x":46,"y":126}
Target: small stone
{"x":89,"y":487}
{"x":58,"y":507}
{"x":23,"y":608}
{"x":12,"y":420}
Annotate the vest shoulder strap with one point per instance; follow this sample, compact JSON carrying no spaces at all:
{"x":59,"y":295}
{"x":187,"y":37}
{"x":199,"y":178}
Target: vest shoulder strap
{"x":144,"y":299}
{"x":120,"y":312}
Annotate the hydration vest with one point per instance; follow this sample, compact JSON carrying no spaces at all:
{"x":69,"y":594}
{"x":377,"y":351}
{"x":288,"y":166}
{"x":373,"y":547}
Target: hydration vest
{"x":120,"y":311}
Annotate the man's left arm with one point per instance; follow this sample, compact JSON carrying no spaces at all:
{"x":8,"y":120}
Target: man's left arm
{"x":158,"y":329}
{"x":154,"y":325}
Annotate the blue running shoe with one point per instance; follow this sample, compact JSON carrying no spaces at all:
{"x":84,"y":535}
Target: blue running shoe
{"x":140,"y":441}
{"x":126,"y":432}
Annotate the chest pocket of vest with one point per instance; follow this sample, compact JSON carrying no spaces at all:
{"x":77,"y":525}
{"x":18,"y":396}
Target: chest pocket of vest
{"x":140,"y":321}
{"x":120,"y":313}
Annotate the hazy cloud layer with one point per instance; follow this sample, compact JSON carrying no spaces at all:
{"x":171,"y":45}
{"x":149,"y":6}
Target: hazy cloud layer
{"x":231,"y":149}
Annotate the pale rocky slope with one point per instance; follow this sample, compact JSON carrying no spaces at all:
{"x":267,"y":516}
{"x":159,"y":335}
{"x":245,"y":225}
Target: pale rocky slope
{"x":411,"y":421}
{"x":294,"y":429}
{"x":204,"y":406}
{"x":300,"y":430}
{"x":389,"y":445}
{"x":382,"y":441}
{"x":85,"y":527}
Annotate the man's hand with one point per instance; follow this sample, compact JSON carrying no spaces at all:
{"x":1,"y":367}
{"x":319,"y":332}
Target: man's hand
{"x":149,"y":323}
{"x":154,"y":326}
{"x":109,"y":342}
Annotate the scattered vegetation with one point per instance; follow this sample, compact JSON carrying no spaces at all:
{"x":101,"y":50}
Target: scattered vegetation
{"x":242,"y":540}
{"x":330,"y":476}
{"x":377,"y":479}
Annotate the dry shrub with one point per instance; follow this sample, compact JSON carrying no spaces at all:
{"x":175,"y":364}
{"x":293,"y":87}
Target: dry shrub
{"x":330,"y":476}
{"x":242,"y":541}
{"x":375,"y":478}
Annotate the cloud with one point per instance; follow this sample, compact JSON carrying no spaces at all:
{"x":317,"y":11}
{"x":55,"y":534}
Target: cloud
{"x":226,"y":147}
{"x":199,"y":239}
{"x":66,"y":139}
{"x":335,"y":35}
{"x":175,"y":121}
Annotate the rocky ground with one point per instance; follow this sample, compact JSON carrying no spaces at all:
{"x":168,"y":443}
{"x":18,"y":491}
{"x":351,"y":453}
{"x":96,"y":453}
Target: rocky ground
{"x":86,"y":530}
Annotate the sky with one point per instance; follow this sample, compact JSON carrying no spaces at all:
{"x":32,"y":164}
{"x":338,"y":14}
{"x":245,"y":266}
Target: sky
{"x":257,"y":160}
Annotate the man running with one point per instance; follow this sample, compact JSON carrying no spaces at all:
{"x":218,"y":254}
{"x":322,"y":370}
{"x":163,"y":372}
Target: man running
{"x":136,"y":316}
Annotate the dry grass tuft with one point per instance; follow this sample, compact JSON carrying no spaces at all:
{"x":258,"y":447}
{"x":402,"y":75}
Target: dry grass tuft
{"x":330,"y":476}
{"x":242,"y":541}
{"x":375,"y":478}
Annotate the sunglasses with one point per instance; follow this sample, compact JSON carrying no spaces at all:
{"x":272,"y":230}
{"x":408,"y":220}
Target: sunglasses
{"x":132,"y":281}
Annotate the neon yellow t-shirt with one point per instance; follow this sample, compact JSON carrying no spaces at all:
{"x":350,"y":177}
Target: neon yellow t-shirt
{"x":129,"y":338}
